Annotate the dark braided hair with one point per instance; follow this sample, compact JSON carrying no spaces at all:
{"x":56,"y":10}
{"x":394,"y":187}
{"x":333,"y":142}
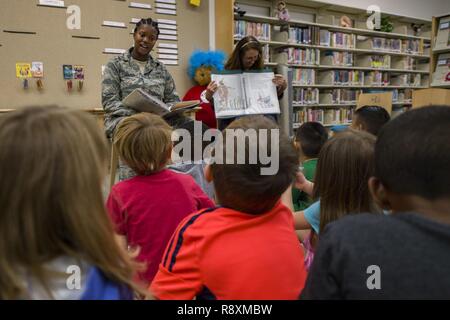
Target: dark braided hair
{"x":148,"y":21}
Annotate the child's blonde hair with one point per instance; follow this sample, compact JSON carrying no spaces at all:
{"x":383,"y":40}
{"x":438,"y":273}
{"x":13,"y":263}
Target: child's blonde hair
{"x":143,"y":141}
{"x":346,"y":162}
{"x":52,"y":165}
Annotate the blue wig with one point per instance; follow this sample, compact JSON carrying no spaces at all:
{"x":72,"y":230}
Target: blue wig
{"x":214,"y":59}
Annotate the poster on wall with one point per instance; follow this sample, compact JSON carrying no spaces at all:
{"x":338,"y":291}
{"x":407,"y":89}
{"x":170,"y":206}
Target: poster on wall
{"x":78,"y":72}
{"x":67,"y":72}
{"x":37,"y":69}
{"x":23,"y":70}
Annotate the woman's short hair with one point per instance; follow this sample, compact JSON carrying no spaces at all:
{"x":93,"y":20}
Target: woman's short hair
{"x":147,"y":21}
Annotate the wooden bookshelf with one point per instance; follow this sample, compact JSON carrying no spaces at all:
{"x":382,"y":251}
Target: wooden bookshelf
{"x":362,"y":32}
{"x":277,"y":40}
{"x":279,"y":44}
{"x":439,"y":51}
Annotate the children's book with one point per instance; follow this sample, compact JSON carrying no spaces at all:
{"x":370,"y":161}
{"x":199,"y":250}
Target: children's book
{"x":245,"y":94}
{"x":443,"y":34}
{"x":23,"y":70}
{"x":68,"y":72}
{"x":78,"y":72}
{"x":142,"y":101}
{"x":37,"y":69}
{"x":442,"y":74}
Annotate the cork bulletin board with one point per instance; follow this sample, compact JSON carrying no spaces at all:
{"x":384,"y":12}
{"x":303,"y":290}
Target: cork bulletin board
{"x":30,"y":32}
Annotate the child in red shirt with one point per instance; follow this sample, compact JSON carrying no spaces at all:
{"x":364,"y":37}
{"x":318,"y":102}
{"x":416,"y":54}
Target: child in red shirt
{"x":146,"y":209}
{"x":248,"y":248}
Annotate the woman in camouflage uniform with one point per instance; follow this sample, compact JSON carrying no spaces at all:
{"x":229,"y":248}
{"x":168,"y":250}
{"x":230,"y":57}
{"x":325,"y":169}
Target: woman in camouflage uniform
{"x":134,"y":69}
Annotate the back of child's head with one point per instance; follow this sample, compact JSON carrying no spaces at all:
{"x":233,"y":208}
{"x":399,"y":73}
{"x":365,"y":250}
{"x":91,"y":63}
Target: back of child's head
{"x":346,"y":162}
{"x":143,"y":141}
{"x":52,"y":165}
{"x":311,"y":136}
{"x":245,"y":187}
{"x":412,"y":155}
{"x":370,"y":119}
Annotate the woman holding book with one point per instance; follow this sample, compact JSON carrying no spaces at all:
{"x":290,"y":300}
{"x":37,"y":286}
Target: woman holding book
{"x":246,"y":56}
{"x":134,"y":69}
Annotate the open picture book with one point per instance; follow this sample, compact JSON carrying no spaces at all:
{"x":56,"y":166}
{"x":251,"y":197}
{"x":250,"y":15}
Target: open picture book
{"x":245,"y":94}
{"x":441,"y":75}
{"x":141,"y":101}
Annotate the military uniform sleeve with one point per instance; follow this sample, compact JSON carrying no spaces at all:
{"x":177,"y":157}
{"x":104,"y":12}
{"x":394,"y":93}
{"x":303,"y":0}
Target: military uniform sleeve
{"x":170,"y":95}
{"x":112,"y":98}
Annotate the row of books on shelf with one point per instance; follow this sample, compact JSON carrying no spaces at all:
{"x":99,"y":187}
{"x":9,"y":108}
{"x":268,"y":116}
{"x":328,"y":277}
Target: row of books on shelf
{"x":305,"y":96}
{"x":320,"y":37}
{"x":303,"y":56}
{"x":307,"y":35}
{"x":375,"y":61}
{"x":313,"y":35}
{"x":310,"y":96}
{"x":342,"y":77}
{"x":260,"y":31}
{"x":388,"y":62}
{"x":308,"y":77}
{"x":314,"y":57}
{"x":337,"y":58}
{"x":304,"y":76}
{"x":324,"y":116}
{"x":314,"y":96}
{"x":404,"y":95}
{"x":392,"y":45}
{"x":342,"y":116}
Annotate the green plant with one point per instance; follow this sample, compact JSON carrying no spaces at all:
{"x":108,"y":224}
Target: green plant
{"x":386,"y":25}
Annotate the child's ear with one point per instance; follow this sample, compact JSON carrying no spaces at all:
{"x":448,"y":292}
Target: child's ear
{"x":208,"y":173}
{"x":379,"y":193}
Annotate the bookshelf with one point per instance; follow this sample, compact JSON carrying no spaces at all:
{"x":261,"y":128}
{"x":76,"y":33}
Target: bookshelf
{"x":330,"y":65}
{"x":440,"y":54}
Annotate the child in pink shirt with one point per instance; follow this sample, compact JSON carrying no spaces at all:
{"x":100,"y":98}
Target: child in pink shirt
{"x":146,"y":209}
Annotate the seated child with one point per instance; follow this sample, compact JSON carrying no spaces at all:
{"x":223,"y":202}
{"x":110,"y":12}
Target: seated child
{"x":147,"y":208}
{"x":344,"y":167}
{"x":56,"y":240}
{"x":190,"y":162}
{"x":246,"y":249}
{"x":370,"y":119}
{"x":403,"y":255}
{"x":309,"y":138}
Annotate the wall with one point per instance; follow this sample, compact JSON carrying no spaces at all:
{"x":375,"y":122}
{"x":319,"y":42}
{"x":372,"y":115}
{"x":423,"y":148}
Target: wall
{"x":54,"y":46}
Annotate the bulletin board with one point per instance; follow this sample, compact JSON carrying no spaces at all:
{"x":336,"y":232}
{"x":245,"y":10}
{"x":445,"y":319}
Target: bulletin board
{"x":29,"y":32}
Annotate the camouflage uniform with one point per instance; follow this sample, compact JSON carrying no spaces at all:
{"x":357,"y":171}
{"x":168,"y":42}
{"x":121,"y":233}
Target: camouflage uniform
{"x":122,"y":75}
